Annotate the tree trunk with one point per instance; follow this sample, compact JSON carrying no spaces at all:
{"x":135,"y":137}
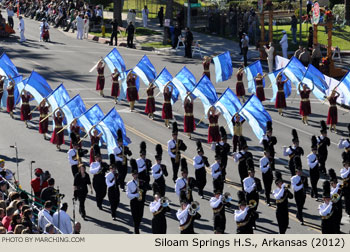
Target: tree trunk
{"x":168,"y":15}
{"x":117,"y":11}
{"x":347,"y":11}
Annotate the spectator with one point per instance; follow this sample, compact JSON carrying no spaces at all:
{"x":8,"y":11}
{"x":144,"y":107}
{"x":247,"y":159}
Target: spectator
{"x":49,"y":229}
{"x":161,"y":16}
{"x":71,"y":21}
{"x":298,"y":52}
{"x":308,"y":7}
{"x":19,"y":205}
{"x":26,"y":231}
{"x":18,"y":229}
{"x":316,"y":56}
{"x":177,"y":33}
{"x":86,"y":26}
{"x":80,"y":26}
{"x":294,"y":23}
{"x":284,"y":44}
{"x":188,"y":43}
{"x":245,"y":42}
{"x":44,"y":215}
{"x":8,"y":218}
{"x":3,"y":190}
{"x":16,"y":219}
{"x":77,"y":228}
{"x":27,"y":218}
{"x":10,"y":15}
{"x":130,"y":30}
{"x":2,"y":230}
{"x":50,"y":193}
{"x":270,"y":58}
{"x":99,"y":14}
{"x":129,"y":16}
{"x":305,"y":57}
{"x":65,"y":224}
{"x":40,"y":182}
{"x":114,"y":34}
{"x":2,"y":215}
{"x":145,"y":13}
{"x":21,"y":29}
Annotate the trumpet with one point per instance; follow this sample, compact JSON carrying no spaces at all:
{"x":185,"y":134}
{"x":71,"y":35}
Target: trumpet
{"x":194,"y":207}
{"x":164,"y":201}
{"x":335,"y":198}
{"x":140,"y":195}
{"x":177,"y":153}
{"x":226,"y":198}
{"x":252,"y":203}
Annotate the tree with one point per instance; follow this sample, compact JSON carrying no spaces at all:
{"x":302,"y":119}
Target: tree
{"x":117,"y":11}
{"x":347,"y":11}
{"x":168,"y":15}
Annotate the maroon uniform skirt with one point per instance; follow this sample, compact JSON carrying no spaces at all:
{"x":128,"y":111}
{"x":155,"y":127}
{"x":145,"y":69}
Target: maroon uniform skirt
{"x":132,"y":94}
{"x":332,"y":117}
{"x":150,"y":105}
{"x":189,"y":124}
{"x":214,"y":134}
{"x":305,"y":108}
{"x":10,"y":103}
{"x":25,"y":110}
{"x":280,"y":100}
{"x":115,"y":89}
{"x":260,"y":93}
{"x":57,"y":139}
{"x":240,"y":91}
{"x":167,"y":112}
{"x":207,"y":74}
{"x":100,"y":83}
{"x":43,"y":126}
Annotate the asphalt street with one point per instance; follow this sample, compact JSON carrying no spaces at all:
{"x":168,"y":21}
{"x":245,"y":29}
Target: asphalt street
{"x":67,"y":60}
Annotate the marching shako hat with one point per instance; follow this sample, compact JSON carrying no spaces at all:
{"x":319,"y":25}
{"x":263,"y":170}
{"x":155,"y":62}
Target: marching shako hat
{"x":313,"y":143}
{"x":143,"y":147}
{"x":278,"y":177}
{"x":241,"y":198}
{"x":199,"y":146}
{"x":184,"y":168}
{"x":326,"y":189}
{"x":159,"y":151}
{"x":134,"y":169}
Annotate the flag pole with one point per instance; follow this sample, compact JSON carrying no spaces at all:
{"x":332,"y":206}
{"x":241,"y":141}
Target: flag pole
{"x":65,"y":127}
{"x":200,"y":120}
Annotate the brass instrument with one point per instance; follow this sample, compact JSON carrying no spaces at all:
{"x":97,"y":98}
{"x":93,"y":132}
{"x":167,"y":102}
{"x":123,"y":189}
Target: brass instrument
{"x":226,"y":198}
{"x":335,"y":197}
{"x":287,"y":186}
{"x":124,"y":156}
{"x":194,"y":207}
{"x":164,"y":200}
{"x":177,"y":153}
{"x":140,"y":191}
{"x":252,"y":203}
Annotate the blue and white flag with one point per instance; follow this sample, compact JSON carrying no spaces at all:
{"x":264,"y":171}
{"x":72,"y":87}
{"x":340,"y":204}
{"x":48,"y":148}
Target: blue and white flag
{"x":255,"y":114}
{"x":145,"y":70}
{"x":37,"y":86}
{"x":229,"y":105}
{"x":184,"y":82}
{"x":115,"y":60}
{"x":91,"y":117}
{"x":344,"y":89}
{"x":124,"y":86}
{"x":252,"y":71}
{"x":58,"y":97}
{"x":109,"y":126}
{"x":206,"y":92}
{"x":17,"y":90}
{"x":295,"y":71}
{"x":313,"y":78}
{"x":74,"y":108}
{"x":162,"y":79}
{"x":7,"y":68}
{"x":223,"y":67}
{"x":287,"y":86}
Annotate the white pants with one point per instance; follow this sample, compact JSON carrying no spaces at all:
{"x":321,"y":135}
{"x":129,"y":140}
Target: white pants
{"x":284,"y":52}
{"x":145,"y":22}
{"x":80,"y":33}
{"x":22,"y":36}
{"x":86,"y":32}
{"x":270,"y":63}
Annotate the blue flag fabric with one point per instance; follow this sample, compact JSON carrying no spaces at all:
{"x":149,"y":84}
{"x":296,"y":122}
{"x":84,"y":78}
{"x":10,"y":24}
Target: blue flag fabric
{"x":252,"y":71}
{"x":7,"y":68}
{"x":206,"y":92}
{"x":184,"y":82}
{"x":344,"y":88}
{"x":295,"y":71}
{"x":162,"y":79}
{"x":314,"y":77}
{"x":287,"y":86}
{"x":229,"y":105}
{"x":109,"y":125}
{"x":115,"y":60}
{"x":58,"y":97}
{"x":124,"y":86}
{"x":223,"y":67}
{"x":74,"y":108}
{"x":37,"y":87}
{"x":91,"y":117}
{"x":255,"y":114}
{"x":145,"y":70}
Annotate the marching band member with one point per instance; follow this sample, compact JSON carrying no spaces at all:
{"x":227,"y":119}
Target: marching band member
{"x":305,"y":106}
{"x":345,"y":175}
{"x":43,"y":110}
{"x":266,"y":173}
{"x":25,"y":107}
{"x":293,"y":151}
{"x":100,"y":82}
{"x":282,"y":194}
{"x":58,"y":138}
{"x":136,"y":195}
{"x":213,"y":130}
{"x":158,"y":209}
{"x":322,"y":142}
{"x":326,"y":210}
{"x":73,"y":156}
{"x":312,"y":161}
{"x":150,"y":103}
{"x":158,"y":170}
{"x":167,"y":113}
{"x":94,"y":140}
{"x":241,"y":157}
{"x":189,"y":123}
{"x":240,"y":91}
{"x":298,"y":182}
{"x":75,"y":128}
{"x":144,"y":165}
{"x":237,"y":131}
{"x":259,"y":87}
{"x":336,"y":194}
{"x":99,"y":169}
{"x":113,"y":189}
{"x":81,"y":181}
{"x":175,"y":145}
{"x":131,"y":91}
{"x":206,"y":65}
{"x":199,"y":163}
{"x":252,"y":186}
{"x":224,"y":151}
{"x":218,"y":203}
{"x":269,"y":140}
{"x":332,"y":118}
{"x":182,"y":187}
{"x":245,"y":217}
{"x":280,"y":103}
{"x":10,"y":102}
{"x":115,"y":91}
{"x":187,"y":215}
{"x":216,"y":171}
{"x":345,"y":143}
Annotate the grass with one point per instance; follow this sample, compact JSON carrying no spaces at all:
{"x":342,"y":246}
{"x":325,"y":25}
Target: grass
{"x":140,"y":31}
{"x":156,"y":45}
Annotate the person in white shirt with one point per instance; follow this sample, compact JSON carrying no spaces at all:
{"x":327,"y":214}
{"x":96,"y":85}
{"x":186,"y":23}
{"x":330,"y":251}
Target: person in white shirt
{"x":113,"y":189}
{"x":299,"y":193}
{"x":270,"y":56}
{"x":312,"y":161}
{"x":64,"y":224}
{"x":345,"y":175}
{"x":144,"y":165}
{"x":145,"y":16}
{"x":251,"y":187}
{"x":86,"y":26}
{"x":326,"y":211}
{"x":158,"y":208}
{"x":336,"y":195}
{"x":187,"y":217}
{"x":266,"y":172}
{"x":244,"y":217}
{"x":44,"y":26}
{"x":72,"y":158}
{"x":80,"y":26}
{"x":199,"y":163}
{"x":158,"y":170}
{"x":284,"y":44}
{"x":181,"y":184}
{"x":218,"y":203}
{"x":21,"y":29}
{"x":136,"y":195}
{"x":10,"y":15}
{"x":44,"y":216}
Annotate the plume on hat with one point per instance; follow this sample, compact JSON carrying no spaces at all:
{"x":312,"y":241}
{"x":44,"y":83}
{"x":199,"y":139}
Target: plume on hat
{"x":184,"y":165}
{"x":332,"y":175}
{"x":120,"y":135}
{"x":199,"y":146}
{"x":223,"y":132}
{"x":295,"y":134}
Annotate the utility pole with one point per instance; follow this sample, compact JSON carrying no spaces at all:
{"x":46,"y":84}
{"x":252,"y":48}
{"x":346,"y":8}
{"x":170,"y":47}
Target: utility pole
{"x":189,"y":14}
{"x":301,"y":20}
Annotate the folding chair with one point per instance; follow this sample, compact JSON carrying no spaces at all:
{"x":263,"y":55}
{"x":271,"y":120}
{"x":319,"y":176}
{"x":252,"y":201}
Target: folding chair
{"x":180,"y":43}
{"x":336,"y":51}
{"x":196,"y":49}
